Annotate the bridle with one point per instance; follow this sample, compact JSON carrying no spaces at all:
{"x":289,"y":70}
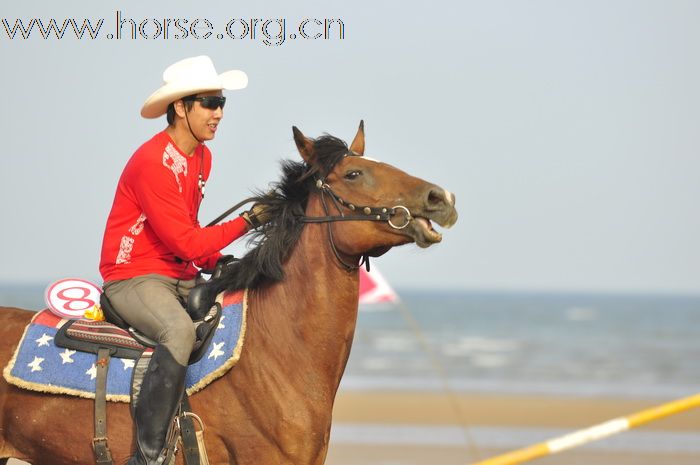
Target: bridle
{"x":366,"y":213}
{"x":363,"y":213}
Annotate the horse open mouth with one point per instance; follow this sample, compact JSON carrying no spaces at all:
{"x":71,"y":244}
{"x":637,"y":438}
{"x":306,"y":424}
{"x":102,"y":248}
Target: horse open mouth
{"x":422,"y":231}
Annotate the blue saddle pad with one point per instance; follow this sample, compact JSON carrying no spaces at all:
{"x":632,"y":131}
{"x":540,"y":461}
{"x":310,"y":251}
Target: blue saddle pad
{"x":39,"y":365}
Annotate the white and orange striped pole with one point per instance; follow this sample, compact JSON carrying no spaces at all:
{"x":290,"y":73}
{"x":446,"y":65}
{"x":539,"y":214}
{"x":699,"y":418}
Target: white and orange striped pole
{"x":594,"y":433}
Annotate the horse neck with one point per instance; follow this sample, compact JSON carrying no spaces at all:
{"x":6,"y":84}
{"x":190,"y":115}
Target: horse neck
{"x":311,"y":314}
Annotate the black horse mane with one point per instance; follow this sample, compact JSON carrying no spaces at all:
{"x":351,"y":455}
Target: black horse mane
{"x":286,"y":204}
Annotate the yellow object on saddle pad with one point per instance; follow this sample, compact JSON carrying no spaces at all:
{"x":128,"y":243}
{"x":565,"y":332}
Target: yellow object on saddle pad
{"x":39,"y":365}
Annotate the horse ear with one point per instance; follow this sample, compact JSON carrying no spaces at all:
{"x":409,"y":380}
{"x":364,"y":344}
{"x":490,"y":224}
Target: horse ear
{"x":304,"y":145}
{"x":358,"y":143}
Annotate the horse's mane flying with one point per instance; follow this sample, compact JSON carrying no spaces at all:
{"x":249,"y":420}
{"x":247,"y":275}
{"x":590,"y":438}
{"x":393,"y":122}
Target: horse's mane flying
{"x":286,"y":204}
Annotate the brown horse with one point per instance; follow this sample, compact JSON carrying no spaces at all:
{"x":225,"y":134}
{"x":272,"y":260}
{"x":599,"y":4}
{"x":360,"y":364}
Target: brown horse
{"x":274,"y":407}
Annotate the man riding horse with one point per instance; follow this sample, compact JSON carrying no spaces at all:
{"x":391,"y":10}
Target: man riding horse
{"x":153,"y":243}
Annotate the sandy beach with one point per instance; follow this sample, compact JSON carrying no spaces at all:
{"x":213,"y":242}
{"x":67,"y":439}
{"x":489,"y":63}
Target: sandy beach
{"x":433,"y":428}
{"x":415,"y":428}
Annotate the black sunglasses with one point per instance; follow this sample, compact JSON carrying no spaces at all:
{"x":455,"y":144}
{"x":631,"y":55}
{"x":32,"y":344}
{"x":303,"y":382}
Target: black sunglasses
{"x":211,"y":102}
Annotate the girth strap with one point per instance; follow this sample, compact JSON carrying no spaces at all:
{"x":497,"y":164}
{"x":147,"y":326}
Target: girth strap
{"x":188,"y":433}
{"x":99,"y":442}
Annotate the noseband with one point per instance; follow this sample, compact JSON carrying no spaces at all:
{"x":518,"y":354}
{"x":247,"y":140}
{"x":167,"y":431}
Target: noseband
{"x":366,"y":213}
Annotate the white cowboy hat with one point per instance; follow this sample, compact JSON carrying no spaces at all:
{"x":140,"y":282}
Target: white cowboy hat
{"x":187,"y":77}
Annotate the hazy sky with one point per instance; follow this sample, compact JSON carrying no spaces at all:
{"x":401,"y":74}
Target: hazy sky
{"x":568,"y":130}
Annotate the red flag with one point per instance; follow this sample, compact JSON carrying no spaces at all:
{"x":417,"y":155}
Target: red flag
{"x":374,"y":288}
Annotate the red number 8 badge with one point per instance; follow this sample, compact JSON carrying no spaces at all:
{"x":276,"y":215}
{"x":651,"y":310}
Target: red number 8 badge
{"x":70,"y":298}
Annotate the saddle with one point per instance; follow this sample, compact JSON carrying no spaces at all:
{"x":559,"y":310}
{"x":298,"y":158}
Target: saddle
{"x":115,"y":338}
{"x":125,"y":341}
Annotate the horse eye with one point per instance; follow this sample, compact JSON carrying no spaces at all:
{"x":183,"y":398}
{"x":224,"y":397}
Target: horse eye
{"x":352,"y":174}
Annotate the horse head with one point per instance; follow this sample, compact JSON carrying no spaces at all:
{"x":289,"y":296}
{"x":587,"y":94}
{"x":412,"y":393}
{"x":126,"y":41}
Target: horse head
{"x":367,"y":206}
{"x":373,"y":206}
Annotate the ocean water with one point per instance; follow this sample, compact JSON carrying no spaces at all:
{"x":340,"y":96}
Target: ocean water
{"x":572,"y":344}
{"x":535,"y":343}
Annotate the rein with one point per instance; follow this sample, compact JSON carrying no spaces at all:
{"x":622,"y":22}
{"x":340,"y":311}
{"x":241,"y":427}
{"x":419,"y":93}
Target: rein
{"x":230,"y":210}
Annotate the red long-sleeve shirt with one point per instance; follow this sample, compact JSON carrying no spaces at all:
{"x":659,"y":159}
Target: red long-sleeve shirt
{"x":153,"y":226}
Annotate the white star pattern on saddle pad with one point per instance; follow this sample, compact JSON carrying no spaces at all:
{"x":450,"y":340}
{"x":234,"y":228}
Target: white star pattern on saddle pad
{"x":92,"y":372}
{"x":221,"y":324}
{"x":44,"y":340}
{"x":66,"y":356}
{"x":36,"y":364}
{"x":128,"y":363}
{"x":216,"y":351}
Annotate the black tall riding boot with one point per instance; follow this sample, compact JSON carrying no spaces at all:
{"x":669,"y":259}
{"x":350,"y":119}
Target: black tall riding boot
{"x":158,"y":399}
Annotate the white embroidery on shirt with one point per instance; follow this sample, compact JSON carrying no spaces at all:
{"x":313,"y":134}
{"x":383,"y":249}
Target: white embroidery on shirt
{"x":176,"y":162}
{"x":127,"y":243}
{"x":124,"y":255}
{"x":136,"y":229}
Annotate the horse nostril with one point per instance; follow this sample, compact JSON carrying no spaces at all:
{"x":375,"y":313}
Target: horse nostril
{"x":436,"y":197}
